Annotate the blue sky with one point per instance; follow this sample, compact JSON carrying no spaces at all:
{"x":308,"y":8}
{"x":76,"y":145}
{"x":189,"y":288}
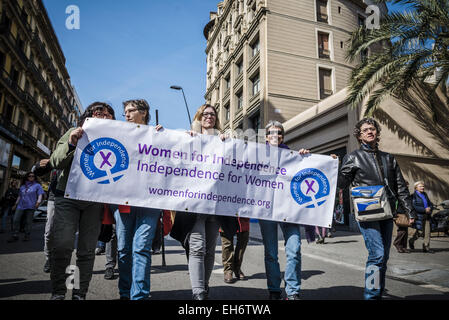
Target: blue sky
{"x":137,"y":49}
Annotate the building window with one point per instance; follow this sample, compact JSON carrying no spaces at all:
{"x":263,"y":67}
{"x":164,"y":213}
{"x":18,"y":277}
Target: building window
{"x":39,"y":134}
{"x":30,"y":127}
{"x":361,"y":21}
{"x":325,"y":78}
{"x":239,"y":66}
{"x":255,"y":48}
{"x":15,"y":75}
{"x":321,"y":11}
{"x":255,"y":81}
{"x":8,"y":111}
{"x":254,"y":124}
{"x":364,"y":55}
{"x":228,"y":82}
{"x":323,"y":45}
{"x":21,"y":120}
{"x":239,"y":97}
{"x":227,"y":112}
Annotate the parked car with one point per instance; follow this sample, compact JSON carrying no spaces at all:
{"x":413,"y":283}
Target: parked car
{"x":40,"y":214}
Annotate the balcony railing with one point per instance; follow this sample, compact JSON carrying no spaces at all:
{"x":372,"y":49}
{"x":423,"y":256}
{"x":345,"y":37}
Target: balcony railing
{"x":40,"y":79}
{"x":14,"y":87}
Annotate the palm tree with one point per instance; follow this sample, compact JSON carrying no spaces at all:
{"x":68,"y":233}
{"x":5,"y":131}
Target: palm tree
{"x":414,"y":46}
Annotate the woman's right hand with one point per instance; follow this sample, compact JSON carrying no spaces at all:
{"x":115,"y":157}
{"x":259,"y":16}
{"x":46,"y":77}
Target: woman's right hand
{"x":75,"y":135}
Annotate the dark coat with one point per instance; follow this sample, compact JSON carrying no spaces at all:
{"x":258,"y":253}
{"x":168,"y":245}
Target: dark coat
{"x":184,"y":222}
{"x":363,"y":167}
{"x":418,"y":205}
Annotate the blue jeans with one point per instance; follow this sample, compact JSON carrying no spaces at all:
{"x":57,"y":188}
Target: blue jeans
{"x":377,"y":236}
{"x":135,"y":233}
{"x":292,"y":237}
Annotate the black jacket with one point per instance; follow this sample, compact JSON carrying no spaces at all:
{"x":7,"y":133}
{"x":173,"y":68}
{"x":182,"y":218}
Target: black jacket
{"x":363,"y":167}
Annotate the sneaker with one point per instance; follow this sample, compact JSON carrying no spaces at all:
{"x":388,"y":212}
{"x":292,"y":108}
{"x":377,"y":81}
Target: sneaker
{"x":275,"y":296}
{"x":109,"y":274}
{"x":99,"y":251}
{"x":293,"y":297}
{"x":78,"y":297}
{"x":47,"y":266}
{"x":13,"y":239}
{"x":57,"y":297}
{"x":156,"y":251}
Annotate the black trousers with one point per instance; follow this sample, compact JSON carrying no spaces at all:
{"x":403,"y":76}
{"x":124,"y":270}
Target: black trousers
{"x":401,"y":238}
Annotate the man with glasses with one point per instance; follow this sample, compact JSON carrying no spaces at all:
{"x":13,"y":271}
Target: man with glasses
{"x":74,"y":215}
{"x":135,"y":228}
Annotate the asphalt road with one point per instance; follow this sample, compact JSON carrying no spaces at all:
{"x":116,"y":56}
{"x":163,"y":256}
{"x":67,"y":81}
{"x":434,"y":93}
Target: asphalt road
{"x":324,"y":276}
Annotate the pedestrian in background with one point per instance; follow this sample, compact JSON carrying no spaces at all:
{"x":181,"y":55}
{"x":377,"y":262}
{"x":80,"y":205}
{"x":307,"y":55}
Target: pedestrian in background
{"x":424,"y":207}
{"x":363,"y":167}
{"x":7,"y":203}
{"x":274,"y":132}
{"x":135,"y":228}
{"x":30,"y":197}
{"x":400,"y":242}
{"x":74,"y":215}
{"x":233,"y":259}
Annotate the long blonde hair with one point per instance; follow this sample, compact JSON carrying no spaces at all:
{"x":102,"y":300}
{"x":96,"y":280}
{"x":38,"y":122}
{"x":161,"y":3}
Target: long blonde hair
{"x":196,"y":124}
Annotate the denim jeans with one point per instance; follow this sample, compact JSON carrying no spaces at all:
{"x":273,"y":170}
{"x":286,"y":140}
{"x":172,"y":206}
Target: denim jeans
{"x":49,"y":226}
{"x":28,"y":220}
{"x":377,"y":236}
{"x":111,"y":250}
{"x":135,"y":232}
{"x":292,"y":238}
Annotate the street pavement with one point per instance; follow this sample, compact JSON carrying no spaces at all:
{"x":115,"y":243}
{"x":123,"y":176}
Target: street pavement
{"x":334,"y":270}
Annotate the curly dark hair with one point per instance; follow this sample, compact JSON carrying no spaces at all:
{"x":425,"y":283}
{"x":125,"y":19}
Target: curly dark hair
{"x":141,"y":105}
{"x":88,"y":113}
{"x":25,"y":178}
{"x":359,"y":124}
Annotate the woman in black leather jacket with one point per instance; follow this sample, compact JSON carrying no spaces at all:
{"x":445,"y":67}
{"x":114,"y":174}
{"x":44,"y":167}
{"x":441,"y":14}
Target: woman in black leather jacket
{"x":364,"y":167}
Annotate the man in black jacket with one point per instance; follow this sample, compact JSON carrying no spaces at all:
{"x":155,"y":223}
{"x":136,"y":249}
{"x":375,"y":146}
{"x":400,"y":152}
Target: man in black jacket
{"x":364,"y":167}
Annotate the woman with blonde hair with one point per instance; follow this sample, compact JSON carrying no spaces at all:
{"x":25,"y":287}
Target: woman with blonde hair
{"x":198,"y":232}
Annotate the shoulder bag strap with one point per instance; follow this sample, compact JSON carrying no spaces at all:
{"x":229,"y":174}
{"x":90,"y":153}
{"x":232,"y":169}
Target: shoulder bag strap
{"x":385,"y":169}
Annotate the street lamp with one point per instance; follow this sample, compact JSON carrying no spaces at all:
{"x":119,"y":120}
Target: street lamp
{"x":180,"y":88}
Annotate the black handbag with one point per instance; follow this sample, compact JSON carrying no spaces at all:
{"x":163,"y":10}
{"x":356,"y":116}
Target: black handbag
{"x":105,"y":233}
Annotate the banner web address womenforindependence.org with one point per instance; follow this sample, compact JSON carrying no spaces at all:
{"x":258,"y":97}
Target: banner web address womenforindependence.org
{"x":209,"y":196}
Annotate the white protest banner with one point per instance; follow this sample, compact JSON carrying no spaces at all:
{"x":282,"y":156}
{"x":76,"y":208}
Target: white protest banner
{"x":126,"y":163}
